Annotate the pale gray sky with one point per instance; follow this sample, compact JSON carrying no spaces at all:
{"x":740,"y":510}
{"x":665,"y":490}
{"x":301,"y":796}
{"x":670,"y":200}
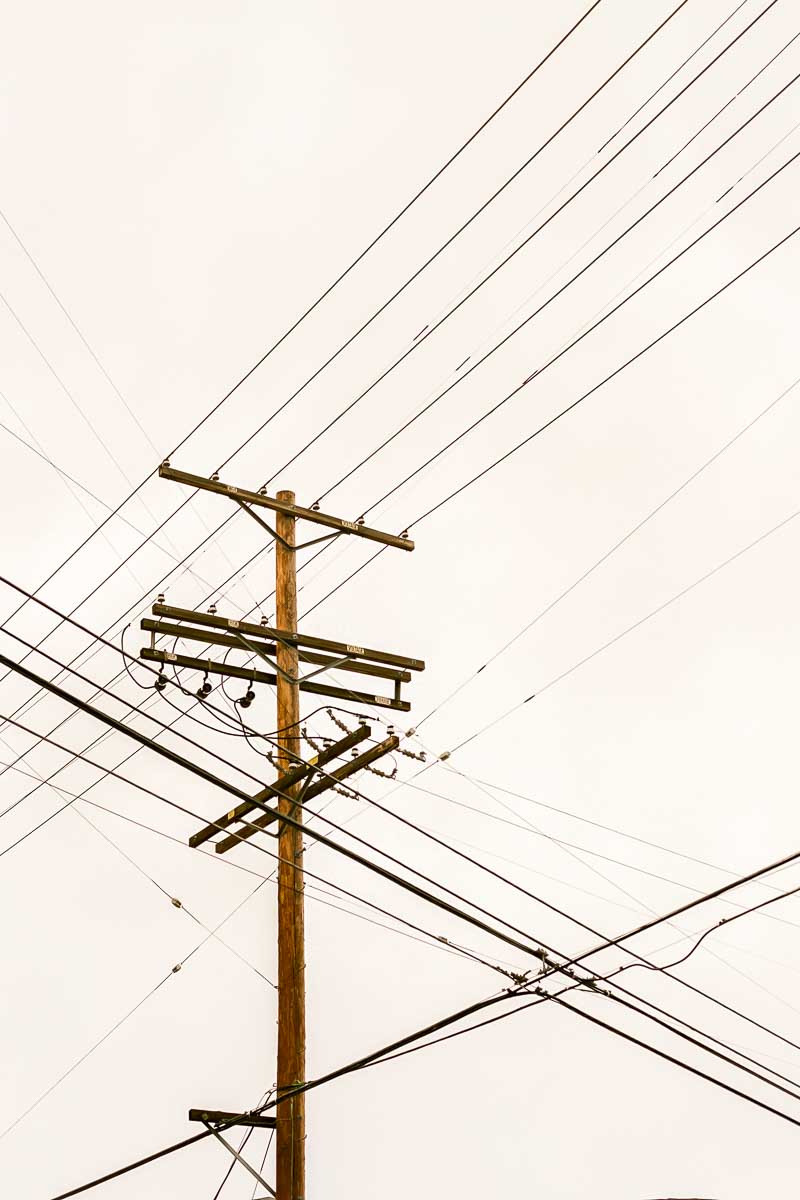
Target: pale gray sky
{"x":189,"y":178}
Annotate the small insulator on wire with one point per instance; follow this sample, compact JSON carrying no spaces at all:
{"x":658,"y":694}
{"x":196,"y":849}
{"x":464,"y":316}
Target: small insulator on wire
{"x":212,"y":608}
{"x":360,"y":521}
{"x":405,"y":535}
{"x":262,"y":491}
{"x":247,"y":699}
{"x":215,"y":477}
{"x":444,"y":756}
{"x":263,"y":620}
{"x":315,"y":506}
{"x":204,"y":689}
{"x":176,"y":968}
{"x":161,"y":682}
{"x":176,"y":902}
{"x":160,"y":598}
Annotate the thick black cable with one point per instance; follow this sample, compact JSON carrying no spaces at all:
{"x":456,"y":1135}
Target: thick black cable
{"x":466,"y":916}
{"x":390,"y":1050}
{"x":481,"y":866}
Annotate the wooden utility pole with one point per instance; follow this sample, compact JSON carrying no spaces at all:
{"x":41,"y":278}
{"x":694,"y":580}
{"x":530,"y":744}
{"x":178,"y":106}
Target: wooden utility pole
{"x":291,"y":1124}
{"x":298,"y":780}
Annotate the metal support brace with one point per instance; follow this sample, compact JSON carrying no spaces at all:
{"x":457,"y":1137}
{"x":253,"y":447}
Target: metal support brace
{"x":239,"y":1158}
{"x":326,"y":537}
{"x":331,"y":666}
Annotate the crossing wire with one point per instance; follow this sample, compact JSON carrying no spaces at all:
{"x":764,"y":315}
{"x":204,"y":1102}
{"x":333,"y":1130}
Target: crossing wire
{"x":694,"y":80}
{"x":331,"y":287}
{"x":489,"y":201}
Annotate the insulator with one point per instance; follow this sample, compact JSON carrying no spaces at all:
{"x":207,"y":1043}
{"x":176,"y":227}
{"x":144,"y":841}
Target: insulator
{"x":315,"y":506}
{"x":165,"y":463}
{"x":160,"y":598}
{"x":360,"y":521}
{"x":405,"y":534}
{"x":161,"y":682}
{"x":212,"y":608}
{"x":263,"y":620}
{"x":262,"y":491}
{"x":215,"y":477}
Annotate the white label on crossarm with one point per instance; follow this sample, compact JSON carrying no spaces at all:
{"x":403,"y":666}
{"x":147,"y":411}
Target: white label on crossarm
{"x":355,"y":649}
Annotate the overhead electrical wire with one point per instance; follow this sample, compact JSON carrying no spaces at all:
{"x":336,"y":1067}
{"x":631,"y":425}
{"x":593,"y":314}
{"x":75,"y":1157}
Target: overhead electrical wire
{"x":314,"y":834}
{"x":126,"y":1017}
{"x":663,"y":23}
{"x":720,"y":566}
{"x":479,"y":362}
{"x":392,"y":1048}
{"x":417,"y":873}
{"x":688,"y":85}
{"x":689,"y":247}
{"x":558,"y":969}
{"x":362,"y":796}
{"x":427,"y":333}
{"x":331,"y":287}
{"x":356,"y":793}
{"x":601,"y":321}
{"x":634,"y":529}
{"x":579,"y":400}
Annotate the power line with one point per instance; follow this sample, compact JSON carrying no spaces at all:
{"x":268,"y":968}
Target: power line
{"x":762,"y":537}
{"x":664,"y":109}
{"x":559,"y":292}
{"x":437,"y":901}
{"x":331,"y":287}
{"x":426,"y":334}
{"x":595,"y":325}
{"x":634,"y":529}
{"x":387,"y":1051}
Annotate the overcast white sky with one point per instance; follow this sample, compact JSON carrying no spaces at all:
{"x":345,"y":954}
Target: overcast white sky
{"x":188,"y":179}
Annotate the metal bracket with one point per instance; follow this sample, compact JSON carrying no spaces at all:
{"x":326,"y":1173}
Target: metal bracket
{"x":239,"y":1158}
{"x":298,"y":678}
{"x":326,"y":537}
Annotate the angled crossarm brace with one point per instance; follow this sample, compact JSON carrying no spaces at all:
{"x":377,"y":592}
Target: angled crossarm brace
{"x":326,"y":537}
{"x":329,"y":666}
{"x":239,"y":1158}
